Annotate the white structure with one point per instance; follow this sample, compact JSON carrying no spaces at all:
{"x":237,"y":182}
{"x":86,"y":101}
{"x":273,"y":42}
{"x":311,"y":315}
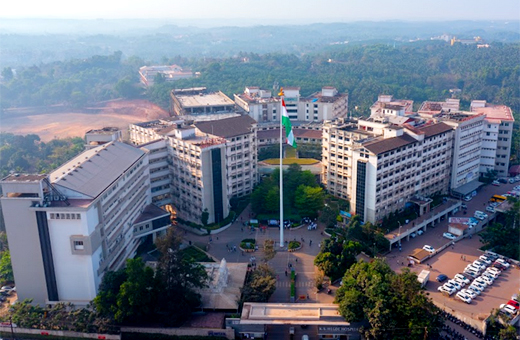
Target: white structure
{"x":67,"y":228}
{"x":380,"y":167}
{"x":98,"y":137}
{"x":326,"y":104}
{"x":208,"y":163}
{"x":197,"y":101}
{"x":170,"y":73}
{"x":497,"y":137}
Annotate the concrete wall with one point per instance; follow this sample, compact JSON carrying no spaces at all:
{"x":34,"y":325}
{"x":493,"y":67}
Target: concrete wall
{"x":228,"y":332}
{"x":6,"y":332}
{"x":26,"y":255}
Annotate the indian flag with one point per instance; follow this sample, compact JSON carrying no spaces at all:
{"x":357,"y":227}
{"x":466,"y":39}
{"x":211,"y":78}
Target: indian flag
{"x":288,"y":126}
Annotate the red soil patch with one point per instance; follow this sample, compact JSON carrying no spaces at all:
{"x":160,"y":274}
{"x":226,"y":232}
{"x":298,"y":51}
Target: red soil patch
{"x":61,"y":122}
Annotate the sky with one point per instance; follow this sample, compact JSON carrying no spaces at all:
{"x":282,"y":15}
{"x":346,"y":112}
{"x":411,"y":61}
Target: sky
{"x":281,"y":11}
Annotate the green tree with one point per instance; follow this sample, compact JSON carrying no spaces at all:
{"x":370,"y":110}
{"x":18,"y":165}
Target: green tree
{"x":498,"y":236}
{"x":6,"y":269}
{"x":136,"y":300}
{"x":393,"y":304}
{"x":106,"y":300}
{"x":180,"y":278}
{"x":126,"y":88}
{"x":308,"y":200}
{"x":260,"y":284}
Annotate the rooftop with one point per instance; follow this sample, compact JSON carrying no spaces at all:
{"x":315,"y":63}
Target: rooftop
{"x":381,"y":145}
{"x":500,"y":112}
{"x":105,"y":130}
{"x":435,"y":129}
{"x":228,"y":127}
{"x":292,"y":313}
{"x":23,"y":178}
{"x":298,"y":133}
{"x":150,"y":212}
{"x":202,"y":100}
{"x":94,"y":170}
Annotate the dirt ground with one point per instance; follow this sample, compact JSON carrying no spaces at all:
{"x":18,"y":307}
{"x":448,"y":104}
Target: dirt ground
{"x":60,"y":122}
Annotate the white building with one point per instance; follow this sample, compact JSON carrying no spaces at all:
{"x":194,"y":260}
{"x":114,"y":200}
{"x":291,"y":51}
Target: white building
{"x":497,"y":138}
{"x":88,"y":216}
{"x":209,"y":162}
{"x":326,"y":104}
{"x":170,"y":73}
{"x":381,"y":170}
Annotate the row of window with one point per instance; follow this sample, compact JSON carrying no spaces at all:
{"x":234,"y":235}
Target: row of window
{"x":64,"y":216}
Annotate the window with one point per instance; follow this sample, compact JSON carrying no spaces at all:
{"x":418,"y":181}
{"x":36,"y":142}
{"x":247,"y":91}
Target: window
{"x":78,"y":245}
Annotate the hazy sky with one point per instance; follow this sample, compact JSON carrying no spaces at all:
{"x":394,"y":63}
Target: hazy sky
{"x":303,"y":11}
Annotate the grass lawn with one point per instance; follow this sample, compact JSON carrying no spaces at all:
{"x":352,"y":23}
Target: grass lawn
{"x":289,"y":161}
{"x":196,"y":254}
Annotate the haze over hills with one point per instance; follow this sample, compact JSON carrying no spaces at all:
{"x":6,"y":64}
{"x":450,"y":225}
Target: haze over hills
{"x":33,"y":41}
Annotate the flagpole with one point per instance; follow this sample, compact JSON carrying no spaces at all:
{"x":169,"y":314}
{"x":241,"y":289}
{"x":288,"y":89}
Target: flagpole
{"x":282,"y":243}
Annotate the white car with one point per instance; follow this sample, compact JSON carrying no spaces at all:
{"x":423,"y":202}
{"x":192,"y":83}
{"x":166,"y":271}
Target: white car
{"x":494,"y":270}
{"x":508,"y":308}
{"x":484,"y":259}
{"x":476,"y":289}
{"x":490,"y":209}
{"x":480,"y":264}
{"x":428,"y":248}
{"x":464,"y":297}
{"x":449,"y":236}
{"x":462,"y":278}
{"x":462,"y":283}
{"x":473,"y":268}
{"x":471,"y":272}
{"x":503,"y":262}
{"x":444,"y":289}
{"x":420,"y":232}
{"x":456,"y":284}
{"x":481,"y":284}
{"x":470,"y":293}
{"x":487,"y":279}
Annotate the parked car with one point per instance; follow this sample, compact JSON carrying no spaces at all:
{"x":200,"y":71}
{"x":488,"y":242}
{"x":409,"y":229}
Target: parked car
{"x":470,"y":293}
{"x":502,"y":180}
{"x":449,"y":236}
{"x":444,"y":289}
{"x":487,"y":279}
{"x":500,"y":266}
{"x":476,"y":289}
{"x":451,"y":286}
{"x":478,"y":284}
{"x":455,"y":284}
{"x":441,"y":278}
{"x":493,"y":271}
{"x":514,"y":303}
{"x":412,"y":235}
{"x":480,"y":264}
{"x":462,"y":283}
{"x":420,"y":232}
{"x":495,"y":183}
{"x":462,"y":278}
{"x":508,"y":308}
{"x":471,"y":272}
{"x":490,"y":209}
{"x":503,"y":262}
{"x":464,"y":297}
{"x":484,"y":259}
{"x":428,"y":248}
{"x":491,"y":275}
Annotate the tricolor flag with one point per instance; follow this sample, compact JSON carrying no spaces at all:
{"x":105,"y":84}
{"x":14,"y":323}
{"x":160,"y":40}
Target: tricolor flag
{"x":288,"y":126}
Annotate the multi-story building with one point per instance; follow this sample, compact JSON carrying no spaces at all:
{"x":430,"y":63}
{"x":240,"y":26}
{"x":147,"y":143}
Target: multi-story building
{"x":196,"y":101}
{"x":98,"y":137}
{"x":387,"y":105}
{"x":380,"y":167}
{"x":466,"y":149}
{"x":208,"y":163}
{"x":66,"y":229}
{"x":170,"y":73}
{"x":326,"y":104}
{"x":497,"y":138}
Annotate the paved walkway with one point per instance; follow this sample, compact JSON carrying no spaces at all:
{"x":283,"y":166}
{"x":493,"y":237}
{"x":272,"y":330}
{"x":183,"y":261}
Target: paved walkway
{"x":302,"y":260}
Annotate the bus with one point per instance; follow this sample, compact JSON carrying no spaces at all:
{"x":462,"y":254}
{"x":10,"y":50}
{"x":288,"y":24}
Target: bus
{"x":498,"y":198}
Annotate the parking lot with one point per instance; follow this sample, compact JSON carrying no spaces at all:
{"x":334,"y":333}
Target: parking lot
{"x":450,"y":261}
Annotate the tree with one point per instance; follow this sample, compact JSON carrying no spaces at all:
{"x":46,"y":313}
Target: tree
{"x":180,"y":278}
{"x":6,"y":269}
{"x":205,"y":216}
{"x":308,"y":200}
{"x":260,"y":285}
{"x":393,"y":304}
{"x":106,"y":300}
{"x":498,"y":236}
{"x":136,"y":300}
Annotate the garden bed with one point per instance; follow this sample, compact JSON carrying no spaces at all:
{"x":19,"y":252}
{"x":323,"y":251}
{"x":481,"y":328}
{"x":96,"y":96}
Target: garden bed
{"x":248,"y":245}
{"x":294,"y":246}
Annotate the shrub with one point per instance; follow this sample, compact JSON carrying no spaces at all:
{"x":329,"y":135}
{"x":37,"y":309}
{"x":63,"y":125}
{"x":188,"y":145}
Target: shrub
{"x":294,"y":245}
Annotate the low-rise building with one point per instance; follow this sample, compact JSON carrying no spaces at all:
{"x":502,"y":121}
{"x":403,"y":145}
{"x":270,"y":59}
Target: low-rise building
{"x":197,"y":101}
{"x":169,"y":73}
